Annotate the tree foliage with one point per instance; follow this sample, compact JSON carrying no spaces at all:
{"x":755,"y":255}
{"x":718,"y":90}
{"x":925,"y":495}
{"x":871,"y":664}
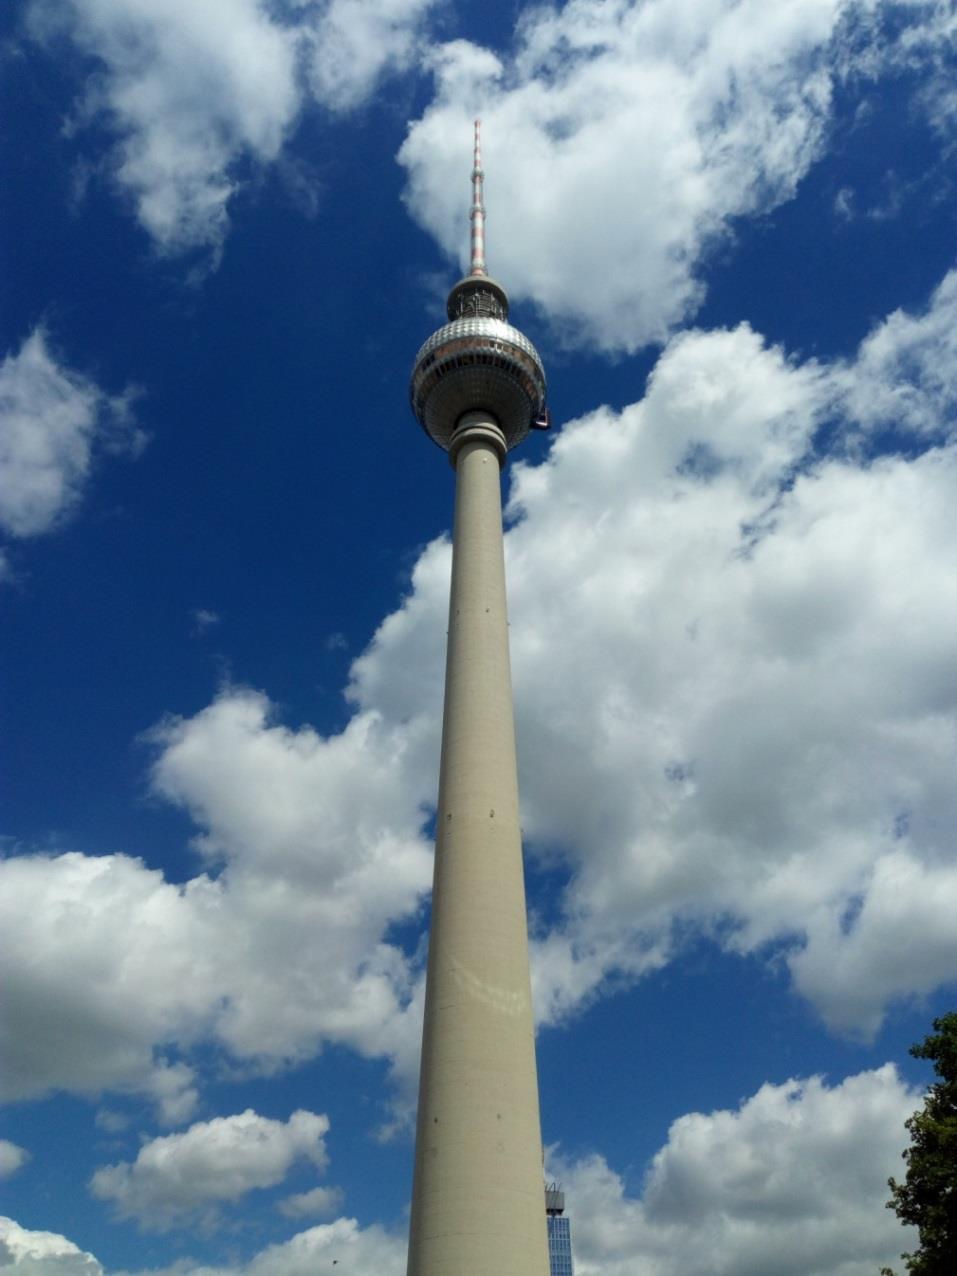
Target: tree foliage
{"x":927,"y":1198}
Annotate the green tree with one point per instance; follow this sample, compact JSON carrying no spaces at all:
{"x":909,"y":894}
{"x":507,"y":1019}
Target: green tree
{"x":927,"y":1198}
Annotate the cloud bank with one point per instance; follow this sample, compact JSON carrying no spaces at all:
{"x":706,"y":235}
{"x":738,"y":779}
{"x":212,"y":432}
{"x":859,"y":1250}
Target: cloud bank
{"x":791,"y":1183}
{"x":735,"y":688}
{"x":732,"y":666}
{"x":369,"y":1249}
{"x":625,"y":139}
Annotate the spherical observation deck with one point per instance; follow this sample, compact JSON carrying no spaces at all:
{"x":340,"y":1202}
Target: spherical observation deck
{"x":477,"y":362}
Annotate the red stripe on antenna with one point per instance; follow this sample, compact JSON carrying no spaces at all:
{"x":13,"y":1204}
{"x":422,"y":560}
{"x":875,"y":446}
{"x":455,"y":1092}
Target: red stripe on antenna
{"x":478,"y":207}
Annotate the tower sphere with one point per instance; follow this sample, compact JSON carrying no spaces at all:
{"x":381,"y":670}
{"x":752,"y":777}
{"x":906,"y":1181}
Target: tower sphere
{"x":477,"y":361}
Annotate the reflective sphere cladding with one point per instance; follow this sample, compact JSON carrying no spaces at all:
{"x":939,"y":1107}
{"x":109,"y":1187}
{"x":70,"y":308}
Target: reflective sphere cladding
{"x":477,"y":363}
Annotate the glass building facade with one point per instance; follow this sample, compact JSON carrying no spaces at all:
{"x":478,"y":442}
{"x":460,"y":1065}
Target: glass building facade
{"x":559,"y":1246}
{"x":559,"y":1233}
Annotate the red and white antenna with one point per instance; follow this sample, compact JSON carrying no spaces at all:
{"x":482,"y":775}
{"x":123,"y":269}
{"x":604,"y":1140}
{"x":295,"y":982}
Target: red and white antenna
{"x":478,"y":208}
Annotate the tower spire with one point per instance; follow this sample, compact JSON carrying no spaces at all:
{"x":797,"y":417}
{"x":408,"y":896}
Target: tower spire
{"x":477,"y":294}
{"x":478,"y":267}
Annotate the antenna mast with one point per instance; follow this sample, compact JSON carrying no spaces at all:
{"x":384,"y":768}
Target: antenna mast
{"x":478,"y":208}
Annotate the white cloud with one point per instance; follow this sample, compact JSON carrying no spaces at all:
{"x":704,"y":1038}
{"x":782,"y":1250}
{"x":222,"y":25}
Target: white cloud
{"x":354,"y":1248}
{"x":792,"y":1183}
{"x":928,"y":44}
{"x":203,"y":620}
{"x":102,"y":970}
{"x":112,"y":970}
{"x":353,"y":43}
{"x":896,"y":939}
{"x":52,"y":419}
{"x":110,"y":1121}
{"x":196,"y":94}
{"x":181,"y":1177}
{"x":324,"y":844}
{"x":189,"y":90}
{"x":316,"y":1203}
{"x":12,"y":1158}
{"x":903,"y":378}
{"x":27,"y":1253}
{"x":342,"y":1242}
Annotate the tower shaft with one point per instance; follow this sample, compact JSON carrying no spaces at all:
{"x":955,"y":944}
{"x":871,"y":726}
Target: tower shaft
{"x":477,"y":1207}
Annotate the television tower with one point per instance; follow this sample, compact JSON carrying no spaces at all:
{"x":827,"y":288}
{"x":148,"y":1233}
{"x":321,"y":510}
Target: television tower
{"x":477,"y":388}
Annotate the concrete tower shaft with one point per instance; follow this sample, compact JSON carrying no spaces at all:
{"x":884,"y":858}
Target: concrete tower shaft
{"x":477,"y":1196}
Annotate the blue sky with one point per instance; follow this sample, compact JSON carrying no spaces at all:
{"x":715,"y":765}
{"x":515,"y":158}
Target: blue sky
{"x":227,"y":227}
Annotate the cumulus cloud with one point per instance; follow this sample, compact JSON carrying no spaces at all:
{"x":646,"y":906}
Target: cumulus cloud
{"x":12,"y":1158}
{"x":895,"y":938}
{"x":181,"y":1177}
{"x":105,"y":969}
{"x":792,"y":1183}
{"x":317,"y":848}
{"x":52,"y":421}
{"x":189,"y":90}
{"x":42,"y":1253}
{"x":333,"y":828}
{"x":196,"y":95}
{"x":903,"y":378}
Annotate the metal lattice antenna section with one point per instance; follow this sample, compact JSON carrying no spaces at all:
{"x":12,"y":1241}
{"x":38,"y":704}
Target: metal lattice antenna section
{"x":478,"y":267}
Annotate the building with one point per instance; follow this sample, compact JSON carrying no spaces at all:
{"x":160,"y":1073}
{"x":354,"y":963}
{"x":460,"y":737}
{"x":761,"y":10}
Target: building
{"x":559,"y":1233}
{"x":477,"y":389}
